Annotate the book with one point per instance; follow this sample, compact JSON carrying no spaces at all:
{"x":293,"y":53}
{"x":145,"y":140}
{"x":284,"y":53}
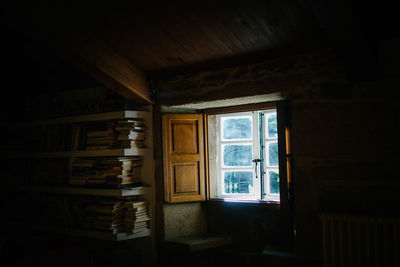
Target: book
{"x":112,"y":172}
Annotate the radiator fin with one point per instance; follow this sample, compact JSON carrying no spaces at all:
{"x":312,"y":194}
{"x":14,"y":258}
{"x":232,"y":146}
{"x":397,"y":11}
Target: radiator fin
{"x":350,"y":240}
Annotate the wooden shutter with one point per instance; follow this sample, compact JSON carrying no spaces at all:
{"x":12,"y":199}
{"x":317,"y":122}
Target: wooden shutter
{"x":183,"y":149}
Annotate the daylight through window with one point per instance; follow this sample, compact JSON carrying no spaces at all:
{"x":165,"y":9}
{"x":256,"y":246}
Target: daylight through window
{"x":243,"y":155}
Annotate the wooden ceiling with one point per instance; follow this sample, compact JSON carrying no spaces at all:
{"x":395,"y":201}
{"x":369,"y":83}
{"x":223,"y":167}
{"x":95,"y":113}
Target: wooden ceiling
{"x":118,"y":43}
{"x":165,"y":37}
{"x":172,"y":35}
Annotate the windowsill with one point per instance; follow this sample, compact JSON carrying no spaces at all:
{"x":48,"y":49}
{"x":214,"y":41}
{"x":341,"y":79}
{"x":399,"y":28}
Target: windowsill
{"x":244,"y":202}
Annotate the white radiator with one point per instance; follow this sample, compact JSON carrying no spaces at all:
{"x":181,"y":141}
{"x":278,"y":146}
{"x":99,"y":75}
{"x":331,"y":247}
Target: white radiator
{"x":353,"y":241}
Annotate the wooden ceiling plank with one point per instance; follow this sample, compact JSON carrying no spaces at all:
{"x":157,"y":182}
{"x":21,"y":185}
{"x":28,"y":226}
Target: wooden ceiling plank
{"x":166,"y":38}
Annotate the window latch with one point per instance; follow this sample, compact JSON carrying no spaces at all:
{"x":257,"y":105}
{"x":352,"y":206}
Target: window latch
{"x":256,"y":161}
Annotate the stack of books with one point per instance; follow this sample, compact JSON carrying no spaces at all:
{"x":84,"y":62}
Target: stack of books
{"x":136,"y":217}
{"x":106,"y":172}
{"x":130,"y":133}
{"x":80,"y":170}
{"x":100,"y":138}
{"x":105,"y":215}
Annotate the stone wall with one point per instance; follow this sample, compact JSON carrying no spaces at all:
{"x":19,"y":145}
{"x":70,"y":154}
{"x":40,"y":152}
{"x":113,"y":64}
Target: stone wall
{"x":343,"y":132}
{"x":279,"y":75}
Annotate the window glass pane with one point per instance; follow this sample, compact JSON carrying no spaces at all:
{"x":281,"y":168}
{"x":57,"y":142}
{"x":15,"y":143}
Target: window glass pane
{"x":272,"y":128}
{"x":237,"y":128}
{"x":273,"y":154}
{"x":237,"y":155}
{"x":238,"y":182}
{"x":274,"y":182}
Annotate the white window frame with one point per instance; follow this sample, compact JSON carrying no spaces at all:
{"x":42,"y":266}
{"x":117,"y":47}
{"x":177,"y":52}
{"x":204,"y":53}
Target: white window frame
{"x":218,"y":169}
{"x":267,"y":168}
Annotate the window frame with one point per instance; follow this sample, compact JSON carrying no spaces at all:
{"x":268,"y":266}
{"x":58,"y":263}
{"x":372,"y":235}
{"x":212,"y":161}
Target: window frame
{"x":284,"y":152}
{"x":221,"y":168}
{"x":266,"y":156}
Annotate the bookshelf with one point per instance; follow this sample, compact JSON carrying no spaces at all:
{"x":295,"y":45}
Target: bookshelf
{"x":70,"y":154}
{"x":80,"y":153}
{"x":123,"y":114}
{"x":68,"y":231}
{"x":75,"y":190}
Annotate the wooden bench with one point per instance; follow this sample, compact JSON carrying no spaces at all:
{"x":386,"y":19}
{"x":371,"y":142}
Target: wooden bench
{"x":193,"y":251}
{"x":189,"y":244}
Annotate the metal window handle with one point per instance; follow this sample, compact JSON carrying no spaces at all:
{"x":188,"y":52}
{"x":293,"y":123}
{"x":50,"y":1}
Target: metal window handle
{"x":256,"y":161}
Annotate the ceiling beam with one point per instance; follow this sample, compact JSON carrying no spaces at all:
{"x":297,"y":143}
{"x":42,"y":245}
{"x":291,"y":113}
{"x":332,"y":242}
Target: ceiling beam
{"x":98,"y":60}
{"x":68,"y":39}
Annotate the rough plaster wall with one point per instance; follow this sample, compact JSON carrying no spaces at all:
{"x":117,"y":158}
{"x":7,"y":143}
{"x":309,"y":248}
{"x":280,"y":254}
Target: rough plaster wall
{"x":248,"y":226}
{"x":344,"y":154}
{"x":184,"y":219}
{"x":342,"y":145}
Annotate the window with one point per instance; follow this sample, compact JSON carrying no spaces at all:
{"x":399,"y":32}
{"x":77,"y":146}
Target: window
{"x":243,"y":155}
{"x":246,"y":155}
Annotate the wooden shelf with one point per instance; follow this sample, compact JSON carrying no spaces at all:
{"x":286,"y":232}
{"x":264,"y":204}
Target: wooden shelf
{"x":71,"y":190}
{"x":124,"y":114}
{"x":78,"y":153}
{"x":73,"y":231}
